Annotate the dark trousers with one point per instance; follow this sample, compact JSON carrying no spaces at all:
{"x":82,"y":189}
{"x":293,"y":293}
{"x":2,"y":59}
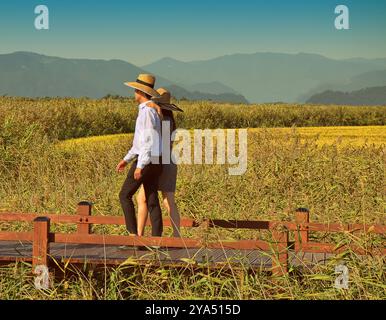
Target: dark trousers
{"x":149,"y":180}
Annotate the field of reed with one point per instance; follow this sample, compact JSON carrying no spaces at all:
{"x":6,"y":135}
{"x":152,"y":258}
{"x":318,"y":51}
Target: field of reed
{"x":328,"y":159}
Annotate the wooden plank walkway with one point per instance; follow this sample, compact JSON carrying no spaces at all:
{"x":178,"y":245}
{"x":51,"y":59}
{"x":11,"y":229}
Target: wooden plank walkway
{"x":276,"y":253}
{"x":114,"y":255}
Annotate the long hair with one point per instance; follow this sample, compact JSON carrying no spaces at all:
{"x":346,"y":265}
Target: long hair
{"x":169,"y":114}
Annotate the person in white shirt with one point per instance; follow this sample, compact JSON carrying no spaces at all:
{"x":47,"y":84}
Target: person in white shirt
{"x":168,"y":179}
{"x":146,"y":153}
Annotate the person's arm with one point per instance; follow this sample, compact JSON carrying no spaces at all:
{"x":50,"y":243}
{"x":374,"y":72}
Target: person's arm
{"x":146,"y":138}
{"x":123,"y":163}
{"x":157,"y":108}
{"x":129,"y":156}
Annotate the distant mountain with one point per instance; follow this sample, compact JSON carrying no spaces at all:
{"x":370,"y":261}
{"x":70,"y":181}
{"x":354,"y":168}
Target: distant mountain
{"x":364,"y":80}
{"x":368,"y":96}
{"x":34,"y":75}
{"x":214,"y":87}
{"x":379,"y":63}
{"x":180,"y":93}
{"x":259,"y":77}
{"x":368,"y":79}
{"x":267,"y":77}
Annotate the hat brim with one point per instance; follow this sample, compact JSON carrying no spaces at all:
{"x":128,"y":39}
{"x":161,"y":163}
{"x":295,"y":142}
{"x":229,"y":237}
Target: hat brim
{"x":135,"y":85}
{"x":170,"y":106}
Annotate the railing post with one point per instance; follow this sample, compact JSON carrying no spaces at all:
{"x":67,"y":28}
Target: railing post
{"x":302,"y":215}
{"x":40,"y":247}
{"x":280,"y":244}
{"x":84,"y":211}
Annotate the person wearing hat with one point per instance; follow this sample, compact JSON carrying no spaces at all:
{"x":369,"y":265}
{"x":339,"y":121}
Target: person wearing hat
{"x":146,"y":153}
{"x":168,"y":178}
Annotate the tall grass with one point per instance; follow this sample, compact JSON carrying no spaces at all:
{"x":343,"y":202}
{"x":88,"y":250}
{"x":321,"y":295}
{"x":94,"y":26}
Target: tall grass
{"x":73,"y":118}
{"x":366,"y":281}
{"x":338,"y":182}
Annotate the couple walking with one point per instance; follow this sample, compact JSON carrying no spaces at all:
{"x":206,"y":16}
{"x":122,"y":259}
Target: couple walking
{"x":152,"y":169}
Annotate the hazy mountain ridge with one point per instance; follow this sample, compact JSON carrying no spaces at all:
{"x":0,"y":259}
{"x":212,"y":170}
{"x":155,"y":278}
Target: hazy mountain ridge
{"x":180,"y":93}
{"x":214,"y":87}
{"x":29,"y":74}
{"x":367,"y":96}
{"x":364,"y":80}
{"x":240,"y":78}
{"x":267,"y":77}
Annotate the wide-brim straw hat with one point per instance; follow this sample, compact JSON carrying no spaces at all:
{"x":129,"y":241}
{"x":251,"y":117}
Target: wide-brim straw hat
{"x":144,"y":83}
{"x":164,"y":100}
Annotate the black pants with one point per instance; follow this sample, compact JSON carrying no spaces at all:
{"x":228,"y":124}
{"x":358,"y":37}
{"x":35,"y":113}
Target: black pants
{"x":149,"y":180}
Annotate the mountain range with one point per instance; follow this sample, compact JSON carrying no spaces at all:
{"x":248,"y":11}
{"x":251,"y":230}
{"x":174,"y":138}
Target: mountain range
{"x":367,"y":96}
{"x":239,"y":78}
{"x":270,"y":77}
{"x":34,"y":75}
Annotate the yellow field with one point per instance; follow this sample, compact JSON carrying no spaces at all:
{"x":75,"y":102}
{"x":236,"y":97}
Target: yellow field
{"x":340,"y":136}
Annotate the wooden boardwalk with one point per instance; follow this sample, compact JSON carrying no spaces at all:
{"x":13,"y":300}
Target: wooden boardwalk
{"x":114,"y":255}
{"x":276,"y":253}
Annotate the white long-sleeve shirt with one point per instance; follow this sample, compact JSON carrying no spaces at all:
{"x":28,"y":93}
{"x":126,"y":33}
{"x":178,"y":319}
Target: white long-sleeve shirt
{"x":147,"y":143}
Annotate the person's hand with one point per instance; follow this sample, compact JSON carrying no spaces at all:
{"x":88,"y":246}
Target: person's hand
{"x":121,"y":166}
{"x":138,"y":174}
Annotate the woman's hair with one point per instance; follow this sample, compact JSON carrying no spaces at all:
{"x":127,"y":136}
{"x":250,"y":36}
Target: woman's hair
{"x":164,"y":113}
{"x":170,"y":115}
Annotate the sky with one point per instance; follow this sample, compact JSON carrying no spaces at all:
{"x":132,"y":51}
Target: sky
{"x":141,"y":32}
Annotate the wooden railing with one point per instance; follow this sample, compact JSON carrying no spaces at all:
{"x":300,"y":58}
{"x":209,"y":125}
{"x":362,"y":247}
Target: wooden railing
{"x":280,"y":245}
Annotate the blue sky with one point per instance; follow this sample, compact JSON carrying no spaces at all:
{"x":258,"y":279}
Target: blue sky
{"x":143,"y":31}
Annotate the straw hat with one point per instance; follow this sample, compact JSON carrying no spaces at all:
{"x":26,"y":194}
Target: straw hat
{"x":164,"y":100}
{"x":145,"y":83}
